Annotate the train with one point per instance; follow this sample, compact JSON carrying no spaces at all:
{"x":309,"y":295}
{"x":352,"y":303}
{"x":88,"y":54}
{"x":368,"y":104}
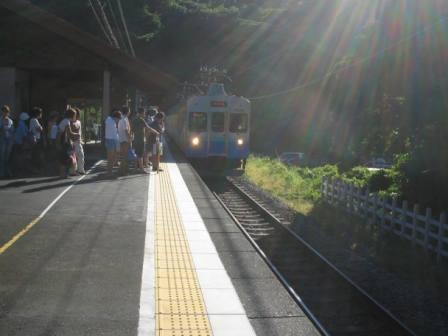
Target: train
{"x":213,"y":128}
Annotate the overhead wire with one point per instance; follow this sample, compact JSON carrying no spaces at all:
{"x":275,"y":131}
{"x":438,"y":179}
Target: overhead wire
{"x":347,"y":66}
{"x":107,"y":25}
{"x":120,"y":9}
{"x":117,"y":25}
{"x":103,"y":29}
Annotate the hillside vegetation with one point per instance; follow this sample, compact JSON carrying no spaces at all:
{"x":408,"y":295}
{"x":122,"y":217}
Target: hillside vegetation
{"x":342,"y":80}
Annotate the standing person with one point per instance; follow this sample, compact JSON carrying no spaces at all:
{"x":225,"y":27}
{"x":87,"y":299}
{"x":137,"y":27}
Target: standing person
{"x":52,"y":133}
{"x":124,"y":137}
{"x":77,"y":142}
{"x":155,"y":143}
{"x":36,"y":130}
{"x":150,"y":114}
{"x":6,"y":141}
{"x":52,"y":128}
{"x":66,"y":152}
{"x":17,"y":156}
{"x":111,"y":139}
{"x":139,"y":126}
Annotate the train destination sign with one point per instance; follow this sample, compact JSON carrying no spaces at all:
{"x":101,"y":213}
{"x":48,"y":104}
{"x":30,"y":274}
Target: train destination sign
{"x":216,"y":103}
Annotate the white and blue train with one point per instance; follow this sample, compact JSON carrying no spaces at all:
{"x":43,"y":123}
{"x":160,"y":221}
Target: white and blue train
{"x":212,"y":127}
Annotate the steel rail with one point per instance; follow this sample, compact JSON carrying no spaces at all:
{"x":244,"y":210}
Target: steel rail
{"x":277,"y":273}
{"x":293,"y":293}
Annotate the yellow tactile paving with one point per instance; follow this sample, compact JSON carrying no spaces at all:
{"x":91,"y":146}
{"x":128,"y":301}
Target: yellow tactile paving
{"x":180,"y":308}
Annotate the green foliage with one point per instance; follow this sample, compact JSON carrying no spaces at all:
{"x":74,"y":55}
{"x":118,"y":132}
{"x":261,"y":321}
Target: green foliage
{"x":293,"y":184}
{"x":358,"y":176}
{"x":299,"y":185}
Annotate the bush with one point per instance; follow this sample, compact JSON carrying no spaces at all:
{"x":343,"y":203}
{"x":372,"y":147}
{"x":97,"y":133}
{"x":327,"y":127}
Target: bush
{"x":406,"y":179}
{"x":292,"y":184}
{"x":359,"y":176}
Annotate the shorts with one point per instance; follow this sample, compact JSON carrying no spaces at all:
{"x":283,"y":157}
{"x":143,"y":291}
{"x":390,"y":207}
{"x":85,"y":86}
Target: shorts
{"x":112,"y":144}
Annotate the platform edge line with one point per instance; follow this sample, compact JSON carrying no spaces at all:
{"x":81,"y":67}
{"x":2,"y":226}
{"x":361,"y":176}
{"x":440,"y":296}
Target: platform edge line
{"x":146,"y":321}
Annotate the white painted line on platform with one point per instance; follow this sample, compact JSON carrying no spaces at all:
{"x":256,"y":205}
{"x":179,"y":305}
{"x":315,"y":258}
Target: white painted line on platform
{"x":36,"y":220}
{"x":147,"y":322}
{"x":235,"y":325}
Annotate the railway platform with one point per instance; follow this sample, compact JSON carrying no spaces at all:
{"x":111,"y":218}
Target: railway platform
{"x":137,"y":255}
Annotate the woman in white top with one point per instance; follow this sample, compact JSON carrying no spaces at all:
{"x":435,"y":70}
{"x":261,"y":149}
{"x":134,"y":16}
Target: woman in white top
{"x":111,"y":138}
{"x":124,"y":137}
{"x":77,"y":142}
{"x":67,"y":161}
{"x":36,"y":129}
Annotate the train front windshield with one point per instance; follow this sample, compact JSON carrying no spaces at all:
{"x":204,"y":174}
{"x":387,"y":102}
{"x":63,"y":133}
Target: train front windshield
{"x":218,"y":119}
{"x":238,"y":122}
{"x":198,"y":122}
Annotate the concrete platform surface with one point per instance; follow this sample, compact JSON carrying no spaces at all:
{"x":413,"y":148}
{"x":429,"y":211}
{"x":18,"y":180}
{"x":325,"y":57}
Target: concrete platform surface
{"x":83,"y":257}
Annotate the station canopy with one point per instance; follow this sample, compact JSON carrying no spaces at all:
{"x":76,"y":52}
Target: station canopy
{"x":33,"y":39}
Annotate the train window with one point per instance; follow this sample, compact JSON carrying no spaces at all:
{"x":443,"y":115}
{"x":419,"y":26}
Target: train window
{"x":218,"y":122}
{"x":198,"y":122}
{"x":238,"y":122}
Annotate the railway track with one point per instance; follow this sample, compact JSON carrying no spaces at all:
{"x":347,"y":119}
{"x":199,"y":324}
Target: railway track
{"x":334,"y":303}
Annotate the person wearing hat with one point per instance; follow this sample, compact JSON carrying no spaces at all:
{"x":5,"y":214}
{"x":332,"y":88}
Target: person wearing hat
{"x":6,"y":140}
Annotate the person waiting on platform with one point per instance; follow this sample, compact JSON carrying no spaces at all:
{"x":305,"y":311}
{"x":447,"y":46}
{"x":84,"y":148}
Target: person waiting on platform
{"x":52,"y":133}
{"x":149,"y":117}
{"x":139,"y":127}
{"x":36,"y":131}
{"x":155,"y":140}
{"x":18,"y":158}
{"x":124,"y":137}
{"x":77,"y":142}
{"x":111,"y":139}
{"x":6,"y":141}
{"x":66,"y":151}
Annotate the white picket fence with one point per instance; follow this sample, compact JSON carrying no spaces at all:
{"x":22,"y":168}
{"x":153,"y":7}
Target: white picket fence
{"x":420,"y":229}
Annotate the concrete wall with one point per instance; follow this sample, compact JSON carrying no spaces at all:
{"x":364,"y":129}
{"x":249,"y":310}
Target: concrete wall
{"x":8,"y":88}
{"x":14,"y":90}
{"x":23,"y":98}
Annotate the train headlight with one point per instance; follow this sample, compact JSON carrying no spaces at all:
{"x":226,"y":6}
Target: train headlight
{"x":195,"y":141}
{"x":240,"y":142}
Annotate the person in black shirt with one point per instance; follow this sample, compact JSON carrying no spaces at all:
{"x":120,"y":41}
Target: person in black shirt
{"x":155,"y":140}
{"x":139,"y":127}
